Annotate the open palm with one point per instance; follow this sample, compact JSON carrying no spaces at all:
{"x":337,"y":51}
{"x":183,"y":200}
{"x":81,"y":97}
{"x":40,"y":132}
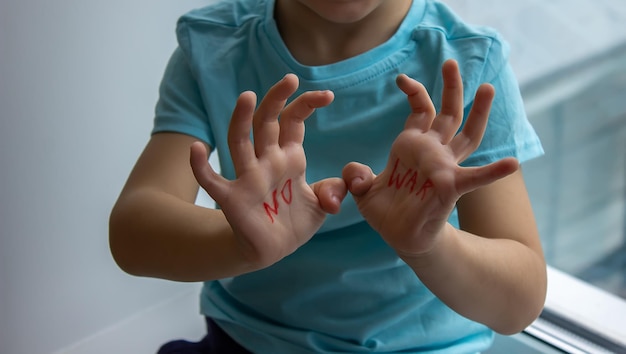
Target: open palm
{"x":270,"y":207}
{"x":410,"y":201}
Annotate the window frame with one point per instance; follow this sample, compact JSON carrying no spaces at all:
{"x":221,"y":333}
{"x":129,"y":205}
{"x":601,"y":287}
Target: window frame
{"x":580,"y":317}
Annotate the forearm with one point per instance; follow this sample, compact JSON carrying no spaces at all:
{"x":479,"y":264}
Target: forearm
{"x":498,"y":282}
{"x":158,"y":235}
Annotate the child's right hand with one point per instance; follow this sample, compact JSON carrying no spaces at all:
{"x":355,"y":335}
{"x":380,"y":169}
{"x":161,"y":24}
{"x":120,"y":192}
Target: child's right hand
{"x":270,"y":207}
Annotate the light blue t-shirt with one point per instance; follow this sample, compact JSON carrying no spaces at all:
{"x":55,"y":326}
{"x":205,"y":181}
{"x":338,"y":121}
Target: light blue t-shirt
{"x":345,"y":290}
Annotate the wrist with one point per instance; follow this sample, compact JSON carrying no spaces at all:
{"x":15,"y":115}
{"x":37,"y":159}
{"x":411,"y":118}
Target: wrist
{"x":438,"y":252}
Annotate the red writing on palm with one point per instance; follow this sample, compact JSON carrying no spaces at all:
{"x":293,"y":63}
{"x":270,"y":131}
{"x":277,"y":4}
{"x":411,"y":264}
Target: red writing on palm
{"x":286,"y":196}
{"x":397,"y":182}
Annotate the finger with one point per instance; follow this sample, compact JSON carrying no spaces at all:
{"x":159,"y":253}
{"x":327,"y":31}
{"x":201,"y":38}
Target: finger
{"x":241,"y":149}
{"x":422,"y":108}
{"x":293,"y":116}
{"x":466,"y":142}
{"x":449,"y":119}
{"x":472,"y":178}
{"x":265,"y":122}
{"x":213,"y":183}
{"x":330,"y":192}
{"x":358,"y":178}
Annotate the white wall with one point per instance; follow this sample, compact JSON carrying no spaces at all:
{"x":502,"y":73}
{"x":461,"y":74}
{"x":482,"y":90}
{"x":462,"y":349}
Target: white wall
{"x":78,"y":83}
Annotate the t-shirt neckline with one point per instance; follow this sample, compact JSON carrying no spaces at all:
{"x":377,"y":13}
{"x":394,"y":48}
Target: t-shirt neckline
{"x":349,"y":66}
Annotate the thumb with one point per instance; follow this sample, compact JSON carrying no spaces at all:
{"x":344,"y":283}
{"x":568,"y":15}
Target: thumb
{"x":358,"y":177}
{"x":476,"y":177}
{"x":205,"y":175}
{"x":330,"y":192}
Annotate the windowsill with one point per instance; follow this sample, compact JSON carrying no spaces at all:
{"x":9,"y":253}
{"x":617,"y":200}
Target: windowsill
{"x":600,"y":314}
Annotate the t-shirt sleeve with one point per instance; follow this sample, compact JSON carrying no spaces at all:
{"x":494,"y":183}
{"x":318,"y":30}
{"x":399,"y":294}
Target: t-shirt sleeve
{"x":508,"y":132}
{"x":180,"y":107}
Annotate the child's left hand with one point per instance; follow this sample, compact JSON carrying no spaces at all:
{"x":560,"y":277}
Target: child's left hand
{"x":410,"y":201}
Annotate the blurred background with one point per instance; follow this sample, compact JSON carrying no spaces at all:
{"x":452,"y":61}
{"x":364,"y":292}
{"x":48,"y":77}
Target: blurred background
{"x":78,"y":84}
{"x":570,"y":58}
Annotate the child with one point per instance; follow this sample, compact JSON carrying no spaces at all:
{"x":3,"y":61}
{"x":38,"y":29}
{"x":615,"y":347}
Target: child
{"x":435,"y":248}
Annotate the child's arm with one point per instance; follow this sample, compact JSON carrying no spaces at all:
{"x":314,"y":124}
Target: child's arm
{"x":267,"y":212}
{"x":491,"y":271}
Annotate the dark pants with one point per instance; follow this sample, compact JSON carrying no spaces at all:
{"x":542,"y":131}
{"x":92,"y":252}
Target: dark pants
{"x":216,"y":341}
